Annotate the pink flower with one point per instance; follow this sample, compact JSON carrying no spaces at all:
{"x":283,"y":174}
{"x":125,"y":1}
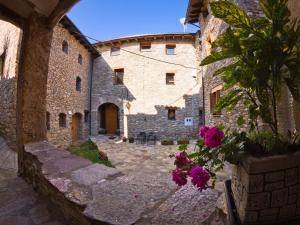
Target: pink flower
{"x":200,"y":177}
{"x":179,"y":177}
{"x":181,"y":159}
{"x":203,"y":130}
{"x":213,"y":137}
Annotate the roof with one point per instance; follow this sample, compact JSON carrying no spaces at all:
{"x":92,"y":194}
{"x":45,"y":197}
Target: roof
{"x":147,"y":37}
{"x":71,"y":27}
{"x":193,"y":11}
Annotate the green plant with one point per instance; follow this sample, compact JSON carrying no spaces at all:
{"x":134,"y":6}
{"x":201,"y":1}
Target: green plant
{"x":89,"y":150}
{"x":265,"y":56}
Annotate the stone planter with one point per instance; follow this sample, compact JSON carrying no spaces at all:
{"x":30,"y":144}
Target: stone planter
{"x":182,"y":142}
{"x":167,"y":142}
{"x":267,"y":190}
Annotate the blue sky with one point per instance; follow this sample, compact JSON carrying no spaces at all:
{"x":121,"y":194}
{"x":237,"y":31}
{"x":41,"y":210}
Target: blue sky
{"x":108,"y":19}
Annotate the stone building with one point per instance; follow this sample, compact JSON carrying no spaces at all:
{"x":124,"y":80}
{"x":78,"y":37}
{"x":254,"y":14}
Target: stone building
{"x":10,"y":40}
{"x":199,"y":12}
{"x":147,"y":83}
{"x":68,"y":88}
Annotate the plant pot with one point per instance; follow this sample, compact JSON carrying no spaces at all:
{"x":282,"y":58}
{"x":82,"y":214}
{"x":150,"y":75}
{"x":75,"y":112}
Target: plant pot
{"x":267,"y":190}
{"x":183,"y":142}
{"x":124,"y":139}
{"x":168,"y":142}
{"x":130,"y":140}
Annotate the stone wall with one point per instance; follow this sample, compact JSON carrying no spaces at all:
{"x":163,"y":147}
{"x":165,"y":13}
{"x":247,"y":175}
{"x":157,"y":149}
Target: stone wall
{"x":10,"y":39}
{"x":143,"y":98}
{"x":211,"y":29}
{"x":62,"y":96}
{"x":267,"y":190}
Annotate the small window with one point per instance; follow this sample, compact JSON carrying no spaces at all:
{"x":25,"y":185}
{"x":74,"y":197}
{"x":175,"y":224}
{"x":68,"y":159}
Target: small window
{"x":48,"y":120}
{"x":78,"y":84}
{"x":80,"y":59}
{"x":214,"y":99}
{"x":170,"y":78}
{"x":170,"y":49}
{"x":118,"y":76}
{"x":62,"y":120}
{"x":65,"y":47}
{"x":172,"y":114}
{"x":86,"y":116}
{"x":2,"y":63}
{"x":115,"y":51}
{"x":145,"y":46}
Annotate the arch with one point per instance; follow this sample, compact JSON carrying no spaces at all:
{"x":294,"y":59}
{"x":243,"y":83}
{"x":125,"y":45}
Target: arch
{"x":65,"y":47}
{"x":76,"y":127}
{"x":62,"y":117}
{"x":78,"y":84}
{"x":109,"y":118}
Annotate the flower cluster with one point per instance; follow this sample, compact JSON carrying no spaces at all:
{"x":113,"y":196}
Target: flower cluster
{"x":185,"y":167}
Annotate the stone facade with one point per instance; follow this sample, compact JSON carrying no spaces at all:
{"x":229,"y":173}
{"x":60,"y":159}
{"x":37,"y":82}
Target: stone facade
{"x":144,"y":97}
{"x":10,"y":40}
{"x":211,"y":29}
{"x":267,"y":191}
{"x":62,"y":96}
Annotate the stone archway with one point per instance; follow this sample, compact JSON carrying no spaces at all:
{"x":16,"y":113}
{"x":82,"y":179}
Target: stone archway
{"x":76,"y":127}
{"x":108,"y":118}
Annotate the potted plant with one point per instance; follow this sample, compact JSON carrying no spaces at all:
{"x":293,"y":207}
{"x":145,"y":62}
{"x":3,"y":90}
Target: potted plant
{"x":183,"y":141}
{"x":264,"y":58}
{"x":124,"y":139}
{"x":167,"y":141}
{"x":131,"y":139}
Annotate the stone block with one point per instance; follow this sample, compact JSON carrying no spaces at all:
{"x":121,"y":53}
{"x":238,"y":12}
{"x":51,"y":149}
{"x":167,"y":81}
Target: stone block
{"x":249,"y":217}
{"x":258,"y":201}
{"x":279,"y":198}
{"x":291,"y":176}
{"x":274,"y":186}
{"x":288,"y":211}
{"x":274,"y":176}
{"x":294,"y":189}
{"x":269,"y":212}
{"x":292,"y":199}
{"x":268,"y":218}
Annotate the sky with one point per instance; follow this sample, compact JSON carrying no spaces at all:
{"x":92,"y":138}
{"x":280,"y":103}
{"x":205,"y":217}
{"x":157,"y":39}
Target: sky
{"x":108,"y":19}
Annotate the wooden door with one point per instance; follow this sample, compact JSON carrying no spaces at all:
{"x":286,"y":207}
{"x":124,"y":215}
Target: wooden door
{"x":75,"y":128}
{"x":111,"y":119}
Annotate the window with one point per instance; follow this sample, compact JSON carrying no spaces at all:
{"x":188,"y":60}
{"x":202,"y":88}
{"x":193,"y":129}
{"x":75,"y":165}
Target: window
{"x":171,"y":114}
{"x":145,"y":46}
{"x":65,"y":47}
{"x":48,"y":120}
{"x":78,"y":84}
{"x":86,"y":116}
{"x":170,"y":49}
{"x":115,"y":51}
{"x":118,"y":76}
{"x":80,"y":59}
{"x":62,"y":120}
{"x":2,"y":63}
{"x":170,"y":78}
{"x":214,"y":99}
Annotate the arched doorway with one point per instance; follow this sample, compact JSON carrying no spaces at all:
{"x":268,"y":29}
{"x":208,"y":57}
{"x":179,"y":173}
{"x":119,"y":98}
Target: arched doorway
{"x":76,"y":127}
{"x":109,"y":118}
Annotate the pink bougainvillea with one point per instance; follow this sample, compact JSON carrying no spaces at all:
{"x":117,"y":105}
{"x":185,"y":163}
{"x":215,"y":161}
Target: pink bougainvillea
{"x":213,"y":137}
{"x":199,"y":176}
{"x":179,"y":177}
{"x":181,"y":159}
{"x":203,"y":130}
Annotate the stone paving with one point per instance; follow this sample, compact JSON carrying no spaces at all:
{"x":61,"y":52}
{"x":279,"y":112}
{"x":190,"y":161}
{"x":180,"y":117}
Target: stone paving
{"x":21,"y":205}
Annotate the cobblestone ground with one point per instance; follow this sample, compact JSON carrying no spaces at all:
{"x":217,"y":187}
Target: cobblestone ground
{"x":21,"y":205}
{"x":147,"y":159}
{"x":143,"y":162}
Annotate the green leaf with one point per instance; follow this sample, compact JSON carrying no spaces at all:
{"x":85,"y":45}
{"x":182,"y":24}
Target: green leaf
{"x":217,"y":56}
{"x":240,"y":121}
{"x":230,"y":13}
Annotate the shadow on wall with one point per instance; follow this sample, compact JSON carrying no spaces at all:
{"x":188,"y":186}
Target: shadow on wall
{"x":165,"y":125}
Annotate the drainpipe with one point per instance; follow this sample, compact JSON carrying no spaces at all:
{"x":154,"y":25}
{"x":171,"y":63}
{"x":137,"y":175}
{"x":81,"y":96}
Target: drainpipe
{"x":203,"y":99}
